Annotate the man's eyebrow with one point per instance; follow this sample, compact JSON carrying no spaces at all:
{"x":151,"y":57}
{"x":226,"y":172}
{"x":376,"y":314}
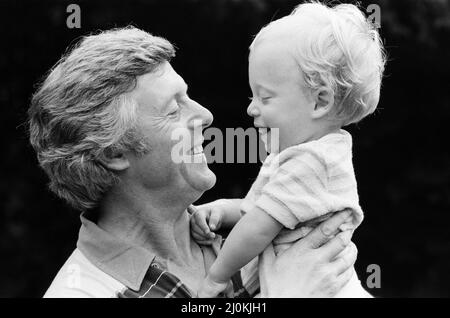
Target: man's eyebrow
{"x":182,"y":89}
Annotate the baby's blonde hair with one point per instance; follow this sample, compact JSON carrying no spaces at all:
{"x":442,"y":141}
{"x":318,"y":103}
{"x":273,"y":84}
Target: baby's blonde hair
{"x":337,"y":48}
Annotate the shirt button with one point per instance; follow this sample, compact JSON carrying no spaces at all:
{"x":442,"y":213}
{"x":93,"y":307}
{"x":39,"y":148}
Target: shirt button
{"x":155,"y":265}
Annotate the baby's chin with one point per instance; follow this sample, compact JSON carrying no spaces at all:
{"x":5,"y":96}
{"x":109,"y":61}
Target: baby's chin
{"x":270,"y":139}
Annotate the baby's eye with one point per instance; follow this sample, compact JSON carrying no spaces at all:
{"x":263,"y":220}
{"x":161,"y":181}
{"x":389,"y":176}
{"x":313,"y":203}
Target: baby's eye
{"x":265,"y":99}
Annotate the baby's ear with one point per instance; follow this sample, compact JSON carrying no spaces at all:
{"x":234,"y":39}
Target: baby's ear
{"x":324,"y":101}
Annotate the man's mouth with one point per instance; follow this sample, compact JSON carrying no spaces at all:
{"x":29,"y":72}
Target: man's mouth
{"x":196,"y":150}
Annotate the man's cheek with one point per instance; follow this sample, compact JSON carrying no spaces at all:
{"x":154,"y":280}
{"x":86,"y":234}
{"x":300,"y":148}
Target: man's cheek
{"x":181,"y":143}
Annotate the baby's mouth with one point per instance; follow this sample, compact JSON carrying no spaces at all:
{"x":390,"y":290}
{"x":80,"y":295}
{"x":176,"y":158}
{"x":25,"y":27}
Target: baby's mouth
{"x":264,"y":132}
{"x":270,"y":138}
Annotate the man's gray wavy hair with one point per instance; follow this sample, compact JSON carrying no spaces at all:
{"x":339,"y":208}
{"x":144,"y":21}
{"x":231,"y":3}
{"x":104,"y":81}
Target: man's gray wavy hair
{"x":81,"y":110}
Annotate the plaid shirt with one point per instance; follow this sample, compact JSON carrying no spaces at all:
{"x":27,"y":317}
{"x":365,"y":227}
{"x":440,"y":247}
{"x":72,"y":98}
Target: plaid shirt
{"x":105,"y":266}
{"x":159,"y":283}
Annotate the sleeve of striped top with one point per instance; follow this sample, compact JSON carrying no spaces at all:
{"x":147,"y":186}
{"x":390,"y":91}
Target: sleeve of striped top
{"x":297,"y":191}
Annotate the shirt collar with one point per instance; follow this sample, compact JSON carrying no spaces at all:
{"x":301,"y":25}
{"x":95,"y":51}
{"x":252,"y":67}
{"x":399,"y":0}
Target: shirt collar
{"x":123,"y":261}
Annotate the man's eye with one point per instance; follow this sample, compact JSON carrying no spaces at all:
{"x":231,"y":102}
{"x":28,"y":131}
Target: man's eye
{"x":174,"y":107}
{"x":174,"y":112}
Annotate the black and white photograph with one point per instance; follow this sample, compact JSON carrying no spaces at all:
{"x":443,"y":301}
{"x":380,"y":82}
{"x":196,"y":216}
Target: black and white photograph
{"x":234,"y":149}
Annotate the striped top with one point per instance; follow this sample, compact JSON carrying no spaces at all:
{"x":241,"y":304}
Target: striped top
{"x":304,"y":184}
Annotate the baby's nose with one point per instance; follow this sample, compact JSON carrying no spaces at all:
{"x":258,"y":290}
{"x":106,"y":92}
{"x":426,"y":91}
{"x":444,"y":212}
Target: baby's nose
{"x":252,"y":110}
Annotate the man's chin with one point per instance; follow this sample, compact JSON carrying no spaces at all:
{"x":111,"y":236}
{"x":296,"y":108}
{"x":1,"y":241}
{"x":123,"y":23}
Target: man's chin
{"x":208,"y":180}
{"x":198,"y":176}
{"x":211,"y":182}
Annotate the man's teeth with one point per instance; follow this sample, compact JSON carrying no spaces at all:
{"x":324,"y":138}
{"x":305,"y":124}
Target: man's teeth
{"x":197,"y":150}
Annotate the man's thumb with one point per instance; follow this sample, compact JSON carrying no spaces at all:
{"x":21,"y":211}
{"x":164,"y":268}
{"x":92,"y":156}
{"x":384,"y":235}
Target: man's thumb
{"x":267,"y":257}
{"x":265,"y":267}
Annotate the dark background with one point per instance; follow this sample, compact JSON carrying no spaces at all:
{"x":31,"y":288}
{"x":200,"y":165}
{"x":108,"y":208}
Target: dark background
{"x":401,"y":154}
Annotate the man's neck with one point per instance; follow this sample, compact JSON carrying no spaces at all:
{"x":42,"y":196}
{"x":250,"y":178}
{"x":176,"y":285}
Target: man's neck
{"x":149,"y":220}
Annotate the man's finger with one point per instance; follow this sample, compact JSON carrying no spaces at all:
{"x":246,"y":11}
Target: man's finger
{"x":336,"y":245}
{"x":344,"y":278}
{"x":346,"y":259}
{"x":267,"y":258}
{"x":326,"y":230}
{"x":265,"y":267}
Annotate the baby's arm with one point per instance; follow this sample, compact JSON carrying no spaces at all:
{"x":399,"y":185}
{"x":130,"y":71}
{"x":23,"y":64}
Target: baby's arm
{"x":248,"y":239}
{"x":232,"y":212}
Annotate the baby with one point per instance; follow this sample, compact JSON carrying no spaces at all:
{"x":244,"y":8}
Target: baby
{"x":311,"y":73}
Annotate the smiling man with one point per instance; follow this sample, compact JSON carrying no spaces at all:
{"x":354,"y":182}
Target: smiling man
{"x":102,"y":124}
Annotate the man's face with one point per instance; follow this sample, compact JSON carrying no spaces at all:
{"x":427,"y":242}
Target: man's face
{"x":164,"y":111}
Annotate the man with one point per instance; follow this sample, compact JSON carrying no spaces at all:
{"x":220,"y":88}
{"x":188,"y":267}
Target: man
{"x":102,"y":124}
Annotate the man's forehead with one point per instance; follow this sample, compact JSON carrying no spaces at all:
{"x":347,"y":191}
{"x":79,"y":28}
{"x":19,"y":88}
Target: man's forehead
{"x":157,"y":88}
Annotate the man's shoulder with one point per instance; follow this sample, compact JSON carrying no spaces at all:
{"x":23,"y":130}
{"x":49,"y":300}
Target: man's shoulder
{"x":79,"y":278}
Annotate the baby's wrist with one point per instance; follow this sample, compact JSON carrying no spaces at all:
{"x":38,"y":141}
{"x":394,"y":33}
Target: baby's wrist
{"x":211,"y":288}
{"x":215,"y":278}
{"x":223,"y":202}
{"x":231,"y":212}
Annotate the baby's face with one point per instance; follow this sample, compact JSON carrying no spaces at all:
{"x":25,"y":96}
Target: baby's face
{"x":280,"y":98}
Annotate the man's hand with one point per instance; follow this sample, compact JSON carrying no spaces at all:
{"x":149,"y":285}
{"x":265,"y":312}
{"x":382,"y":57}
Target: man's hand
{"x":318,"y":265}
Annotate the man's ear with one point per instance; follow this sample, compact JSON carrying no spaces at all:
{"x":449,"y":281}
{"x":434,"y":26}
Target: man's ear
{"x":324,"y":102}
{"x":114,"y":160}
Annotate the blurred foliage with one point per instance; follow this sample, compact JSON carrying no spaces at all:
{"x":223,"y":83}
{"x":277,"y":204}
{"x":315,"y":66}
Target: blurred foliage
{"x":401,"y":154}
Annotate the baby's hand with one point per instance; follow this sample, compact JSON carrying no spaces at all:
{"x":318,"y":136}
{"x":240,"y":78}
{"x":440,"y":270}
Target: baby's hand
{"x":205,"y":219}
{"x":210,"y":288}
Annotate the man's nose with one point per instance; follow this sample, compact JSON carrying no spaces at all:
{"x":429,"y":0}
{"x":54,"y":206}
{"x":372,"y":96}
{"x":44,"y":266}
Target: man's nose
{"x":202,"y":115}
{"x":252,"y":110}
